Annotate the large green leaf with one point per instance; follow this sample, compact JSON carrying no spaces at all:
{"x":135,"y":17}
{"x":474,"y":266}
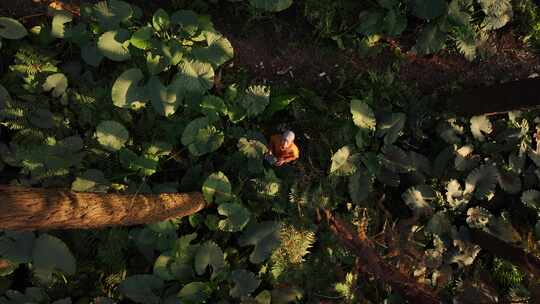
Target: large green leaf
{"x":480,"y":125}
{"x":91,"y":180}
{"x":195,"y":77}
{"x":419,"y":199}
{"x":165,"y":100}
{"x":431,"y":39}
{"x":187,"y":19}
{"x":91,"y":54}
{"x":271,"y":5}
{"x":145,"y":165}
{"x":252,"y":148}
{"x":245,"y":282}
{"x":17,"y":246}
{"x":112,"y":135}
{"x":265,"y":236}
{"x":213,"y":106}
{"x":161,"y":20}
{"x":216,"y":53}
{"x":125,"y":92}
{"x":429,"y":9}
{"x":114,"y":45}
{"x":255,"y":99}
{"x":482,"y":182}
{"x":209,"y":254}
{"x":396,"y":160}
{"x":363,"y":116}
{"x":142,"y":288}
{"x":50,"y":254}
{"x":237,"y":217}
{"x":111,"y":13}
{"x":344,"y":162}
{"x":201,"y":137}
{"x":360,"y":186}
{"x":195,"y":292}
{"x":141,"y":38}
{"x":390,"y":126}
{"x":498,"y":13}
{"x":217,"y":188}
{"x":59,"y":24}
{"x":11,"y":28}
{"x":57,"y":82}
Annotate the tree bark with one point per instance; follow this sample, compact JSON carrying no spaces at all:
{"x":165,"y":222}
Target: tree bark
{"x":24,"y":208}
{"x":525,"y":260}
{"x":499,"y":98}
{"x":371,"y":262}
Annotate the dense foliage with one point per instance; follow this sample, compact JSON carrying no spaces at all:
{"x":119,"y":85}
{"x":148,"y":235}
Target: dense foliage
{"x":116,"y":101}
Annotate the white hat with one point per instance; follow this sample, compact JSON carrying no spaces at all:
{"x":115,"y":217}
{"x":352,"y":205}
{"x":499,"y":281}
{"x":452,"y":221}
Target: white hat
{"x":288,"y":136}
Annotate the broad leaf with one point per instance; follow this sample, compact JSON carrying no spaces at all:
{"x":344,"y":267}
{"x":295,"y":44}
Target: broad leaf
{"x":509,"y":181}
{"x":216,"y":53}
{"x":479,"y":126}
{"x":112,"y":135}
{"x":58,"y":24}
{"x":91,"y":54}
{"x":255,"y":99}
{"x":390,"y":126}
{"x":237,"y":217}
{"x":245,"y":282}
{"x":360,"y":186}
{"x":91,"y":180}
{"x":17,"y":246}
{"x":531,"y":198}
{"x":142,"y":288}
{"x":271,"y":5}
{"x":343,"y":162}
{"x":195,"y":77}
{"x":363,"y":116}
{"x":11,"y":28}
{"x":482,"y":181}
{"x":58,"y":83}
{"x":160,"y":20}
{"x":165,"y":100}
{"x":213,"y":106}
{"x":455,"y":195}
{"x":395,"y":159}
{"x":428,"y":9}
{"x":217,"y":188}
{"x":195,"y":292}
{"x":114,"y":45}
{"x":201,"y":137}
{"x":209,"y":254}
{"x":141,"y":38}
{"x":465,"y":159}
{"x":418,"y":199}
{"x":431,"y":39}
{"x":265,"y":236}
{"x":50,"y":254}
{"x":125,"y":92}
{"x":111,"y":13}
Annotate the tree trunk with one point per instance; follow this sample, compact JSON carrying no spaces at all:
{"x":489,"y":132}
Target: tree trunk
{"x":499,"y":98}
{"x":370,"y":261}
{"x":24,"y":208}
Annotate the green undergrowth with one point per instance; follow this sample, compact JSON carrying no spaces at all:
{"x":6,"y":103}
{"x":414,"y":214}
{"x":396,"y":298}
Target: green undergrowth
{"x":114,"y":102}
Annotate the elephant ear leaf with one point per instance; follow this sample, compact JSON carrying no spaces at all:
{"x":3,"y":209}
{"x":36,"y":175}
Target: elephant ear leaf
{"x":11,"y":29}
{"x":390,"y":126}
{"x":112,"y":135}
{"x":480,"y":125}
{"x":255,"y":99}
{"x":482,"y":182}
{"x":531,"y":199}
{"x":114,"y":45}
{"x":363,"y":116}
{"x":265,"y":236}
{"x":142,"y":288}
{"x":57,"y":82}
{"x":60,"y":19}
{"x":245,"y":282}
{"x":195,"y":292}
{"x":209,"y":254}
{"x":111,"y":13}
{"x":343,"y":162}
{"x":465,"y":159}
{"x":125,"y":92}
{"x":217,"y":188}
{"x":216,"y":53}
{"x":509,"y":181}
{"x":419,"y":199}
{"x":201,"y":137}
{"x":237,"y":217}
{"x":50,"y":254}
{"x":271,"y":5}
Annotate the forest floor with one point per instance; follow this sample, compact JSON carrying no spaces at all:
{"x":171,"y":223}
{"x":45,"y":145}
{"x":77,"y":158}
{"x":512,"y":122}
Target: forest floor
{"x":282,"y":50}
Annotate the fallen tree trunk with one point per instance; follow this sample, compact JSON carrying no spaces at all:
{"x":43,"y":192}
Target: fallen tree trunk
{"x":24,"y":208}
{"x":370,"y":261}
{"x":499,"y":98}
{"x":525,"y":260}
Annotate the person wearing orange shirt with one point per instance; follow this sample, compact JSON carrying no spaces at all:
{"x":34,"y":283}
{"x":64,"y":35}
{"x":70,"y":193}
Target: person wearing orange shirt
{"x":282,"y":149}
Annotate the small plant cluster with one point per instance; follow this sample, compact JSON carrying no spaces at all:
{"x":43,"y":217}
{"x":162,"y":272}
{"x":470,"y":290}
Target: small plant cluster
{"x":464,"y":24}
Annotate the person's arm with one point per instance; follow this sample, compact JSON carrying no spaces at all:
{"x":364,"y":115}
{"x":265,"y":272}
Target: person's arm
{"x":295,"y":155}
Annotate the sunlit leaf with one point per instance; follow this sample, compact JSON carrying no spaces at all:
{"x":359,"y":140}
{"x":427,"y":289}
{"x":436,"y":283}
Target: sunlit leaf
{"x":264,"y":236}
{"x":112,"y":135}
{"x":11,"y":28}
{"x":217,"y":188}
{"x":245,"y":282}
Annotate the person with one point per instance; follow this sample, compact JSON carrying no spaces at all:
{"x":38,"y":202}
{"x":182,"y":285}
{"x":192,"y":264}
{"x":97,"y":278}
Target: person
{"x":282,"y":149}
